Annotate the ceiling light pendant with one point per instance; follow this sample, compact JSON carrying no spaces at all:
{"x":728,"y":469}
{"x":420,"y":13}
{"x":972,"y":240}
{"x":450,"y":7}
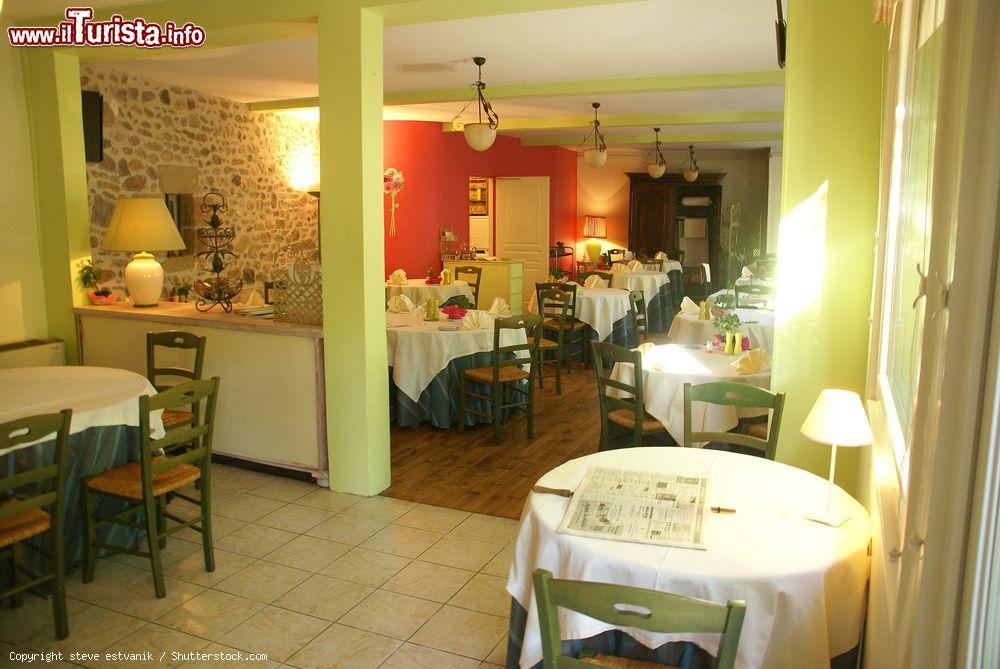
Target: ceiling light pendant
{"x":690,"y":167}
{"x":597,"y":154}
{"x":659,"y":164}
{"x":481,"y":134}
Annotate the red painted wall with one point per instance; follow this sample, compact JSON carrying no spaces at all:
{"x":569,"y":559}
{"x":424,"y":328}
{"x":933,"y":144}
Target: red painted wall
{"x":437,"y":166}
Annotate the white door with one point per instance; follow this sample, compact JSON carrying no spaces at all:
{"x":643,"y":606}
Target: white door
{"x":522,"y":225}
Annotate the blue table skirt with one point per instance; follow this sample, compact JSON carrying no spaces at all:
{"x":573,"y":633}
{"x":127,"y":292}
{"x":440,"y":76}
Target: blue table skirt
{"x":90,"y":452}
{"x":677,"y":286}
{"x":660,"y":310}
{"x":680,"y":654}
{"x":438,"y":403}
{"x":623,"y":333}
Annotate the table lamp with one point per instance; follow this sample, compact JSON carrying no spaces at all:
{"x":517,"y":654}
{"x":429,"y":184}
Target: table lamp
{"x":142,"y":224}
{"x":596,"y":228}
{"x":837,"y":419}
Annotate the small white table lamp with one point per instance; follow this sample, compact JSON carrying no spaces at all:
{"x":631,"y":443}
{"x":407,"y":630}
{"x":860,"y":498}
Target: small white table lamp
{"x":837,"y":419}
{"x":142,"y":224}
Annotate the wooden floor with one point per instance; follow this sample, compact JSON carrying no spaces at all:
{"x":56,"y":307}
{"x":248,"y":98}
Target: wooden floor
{"x":467,"y":471}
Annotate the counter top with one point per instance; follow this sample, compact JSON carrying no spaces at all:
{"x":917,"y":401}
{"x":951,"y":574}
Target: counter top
{"x":185,"y":313}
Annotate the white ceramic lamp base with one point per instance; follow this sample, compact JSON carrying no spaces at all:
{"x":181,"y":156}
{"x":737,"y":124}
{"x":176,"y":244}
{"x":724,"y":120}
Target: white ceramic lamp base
{"x":144,"y":280}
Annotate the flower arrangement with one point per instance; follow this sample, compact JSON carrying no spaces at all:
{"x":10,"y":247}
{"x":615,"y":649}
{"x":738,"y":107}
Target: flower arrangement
{"x":727,"y":321}
{"x":392,"y":184}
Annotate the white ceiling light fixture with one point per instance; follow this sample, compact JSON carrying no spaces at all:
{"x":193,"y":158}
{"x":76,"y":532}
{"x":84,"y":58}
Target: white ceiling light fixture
{"x":481,"y":134}
{"x":597,"y":154}
{"x":690,"y":167}
{"x":658,"y":166}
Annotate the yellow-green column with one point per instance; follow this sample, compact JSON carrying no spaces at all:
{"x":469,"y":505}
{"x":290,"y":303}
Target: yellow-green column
{"x":829,"y":194}
{"x":52,"y":89}
{"x":350,"y":85}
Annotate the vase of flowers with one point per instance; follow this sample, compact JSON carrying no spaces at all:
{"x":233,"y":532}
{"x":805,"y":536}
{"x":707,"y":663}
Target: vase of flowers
{"x":392,"y":184}
{"x":728,"y":322}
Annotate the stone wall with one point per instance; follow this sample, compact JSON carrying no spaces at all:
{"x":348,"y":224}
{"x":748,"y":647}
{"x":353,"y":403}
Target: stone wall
{"x":260,"y":162}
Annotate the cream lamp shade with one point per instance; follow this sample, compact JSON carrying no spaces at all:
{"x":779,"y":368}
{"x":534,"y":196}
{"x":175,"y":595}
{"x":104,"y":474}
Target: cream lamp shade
{"x":479,"y":136}
{"x":595,"y":157}
{"x":142,"y":224}
{"x":838,"y":419}
{"x":595,"y":228}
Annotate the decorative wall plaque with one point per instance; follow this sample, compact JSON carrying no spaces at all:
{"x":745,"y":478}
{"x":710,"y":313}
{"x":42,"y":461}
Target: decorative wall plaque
{"x":298,"y":294}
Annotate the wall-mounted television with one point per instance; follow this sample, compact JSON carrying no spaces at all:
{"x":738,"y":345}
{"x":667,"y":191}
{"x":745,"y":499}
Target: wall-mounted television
{"x":93,"y":126}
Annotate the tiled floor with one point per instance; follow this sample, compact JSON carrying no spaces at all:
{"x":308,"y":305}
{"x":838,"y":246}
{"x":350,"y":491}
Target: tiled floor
{"x":315,"y":579}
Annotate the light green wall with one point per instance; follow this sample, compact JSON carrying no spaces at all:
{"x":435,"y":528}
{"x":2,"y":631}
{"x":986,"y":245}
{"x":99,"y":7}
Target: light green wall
{"x":833,"y":98}
{"x":22,"y":293}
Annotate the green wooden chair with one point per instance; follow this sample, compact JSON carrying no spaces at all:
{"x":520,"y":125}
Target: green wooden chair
{"x":623,"y":407}
{"x":175,"y":339}
{"x":23,"y":517}
{"x":764,"y":295}
{"x":583,"y":276}
{"x":504,"y":376}
{"x":738,"y":395}
{"x":145,"y":484}
{"x":574,"y":333}
{"x":638,"y":302}
{"x":625,"y":606}
{"x":554,"y":303}
{"x":473,"y":276}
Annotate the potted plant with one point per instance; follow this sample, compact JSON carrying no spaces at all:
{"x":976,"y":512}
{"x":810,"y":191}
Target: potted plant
{"x":89,"y":277}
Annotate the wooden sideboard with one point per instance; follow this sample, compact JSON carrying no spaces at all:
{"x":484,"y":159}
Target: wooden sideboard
{"x":501,"y":278}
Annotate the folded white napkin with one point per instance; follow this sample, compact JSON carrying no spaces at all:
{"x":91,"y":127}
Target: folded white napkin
{"x":500,"y":307}
{"x":755,"y":360}
{"x":618,"y":268}
{"x":689,"y":307}
{"x":477,"y":320}
{"x":634,"y":265}
{"x":594,"y":281}
{"x":400,"y":304}
{"x":746,"y":273}
{"x":660,"y":255}
{"x":398,"y":278}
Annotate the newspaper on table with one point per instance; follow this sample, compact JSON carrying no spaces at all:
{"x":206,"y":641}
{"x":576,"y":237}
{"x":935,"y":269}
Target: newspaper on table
{"x":640,"y":507}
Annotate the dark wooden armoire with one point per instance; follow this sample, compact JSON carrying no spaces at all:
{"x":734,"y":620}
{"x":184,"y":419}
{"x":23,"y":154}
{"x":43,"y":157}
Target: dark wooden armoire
{"x":656,"y":211}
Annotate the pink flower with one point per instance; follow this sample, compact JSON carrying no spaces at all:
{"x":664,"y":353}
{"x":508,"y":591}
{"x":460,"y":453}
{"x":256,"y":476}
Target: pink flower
{"x":392,"y":181}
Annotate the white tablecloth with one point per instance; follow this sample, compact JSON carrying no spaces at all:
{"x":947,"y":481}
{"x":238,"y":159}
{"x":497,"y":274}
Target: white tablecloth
{"x":98,"y":396}
{"x":600,"y":308}
{"x":804,"y":583}
{"x":647,"y":281}
{"x":665,"y":371}
{"x":757,"y":324}
{"x":419,"y":350}
{"x":418,"y":290}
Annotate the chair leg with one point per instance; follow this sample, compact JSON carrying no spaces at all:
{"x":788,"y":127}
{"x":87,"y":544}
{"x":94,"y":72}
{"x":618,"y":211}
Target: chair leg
{"x":461,"y":403}
{"x":497,"y":388}
{"x":153,"y":536}
{"x":531,"y":409}
{"x":161,"y":526}
{"x":59,"y":585}
{"x":206,"y":517}
{"x":90,"y":547}
{"x":16,"y":601}
{"x":558,"y":372}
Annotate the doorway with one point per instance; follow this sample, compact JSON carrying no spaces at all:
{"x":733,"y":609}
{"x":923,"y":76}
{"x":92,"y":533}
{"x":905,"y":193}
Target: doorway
{"x":522,"y":226}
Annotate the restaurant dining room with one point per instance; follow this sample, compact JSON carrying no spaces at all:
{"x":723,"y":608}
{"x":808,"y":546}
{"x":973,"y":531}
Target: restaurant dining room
{"x":423,"y":334}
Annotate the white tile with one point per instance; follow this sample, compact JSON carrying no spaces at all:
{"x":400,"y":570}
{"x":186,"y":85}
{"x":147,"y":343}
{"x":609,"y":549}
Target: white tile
{"x":211,"y":614}
{"x":324,"y":597}
{"x":90,"y":630}
{"x":254,"y":540}
{"x":247,"y":507}
{"x":346,"y":529}
{"x":484,"y":593}
{"x":462,"y":632}
{"x":364,"y":566}
{"x":500,"y":564}
{"x":277,"y":632}
{"x":284,"y":490}
{"x":329,"y":650}
{"x":390,"y":614}
{"x":192,"y":568}
{"x":294,"y":518}
{"x":429,"y":581}
{"x":486,"y":528}
{"x":262,"y":581}
{"x":411,"y":656}
{"x":432,"y":518}
{"x":156,"y":639}
{"x":459,"y":552}
{"x":385,"y":509}
{"x":403,"y":541}
{"x":309,"y":553}
{"x":328,"y":500}
{"x":33,"y":617}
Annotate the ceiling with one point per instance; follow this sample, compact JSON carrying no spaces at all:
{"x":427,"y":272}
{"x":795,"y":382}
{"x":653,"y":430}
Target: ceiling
{"x":651,"y":38}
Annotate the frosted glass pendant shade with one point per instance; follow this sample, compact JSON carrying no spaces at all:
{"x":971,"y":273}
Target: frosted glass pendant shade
{"x":480,"y":136}
{"x":656,"y":170}
{"x":690,"y":175}
{"x":595,"y":157}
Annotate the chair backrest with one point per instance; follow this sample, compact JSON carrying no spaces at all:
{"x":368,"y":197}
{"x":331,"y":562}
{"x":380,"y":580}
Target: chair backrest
{"x":555,"y":304}
{"x":616,"y":252}
{"x":49,"y":480}
{"x":569,"y":288}
{"x":741,"y":395}
{"x":606,"y":356}
{"x":513,"y":354}
{"x":638,"y":302}
{"x":175,"y":339}
{"x":759,"y":290}
{"x":583,"y":276}
{"x":195,"y":436}
{"x":626,"y":606}
{"x":473,"y":275}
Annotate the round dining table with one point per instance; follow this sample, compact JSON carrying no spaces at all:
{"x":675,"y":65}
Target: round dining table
{"x":756,"y":324}
{"x":667,"y":367}
{"x":104,"y":433}
{"x":656,"y":292}
{"x":600,"y":308}
{"x":419,"y":291}
{"x":804,"y":583}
